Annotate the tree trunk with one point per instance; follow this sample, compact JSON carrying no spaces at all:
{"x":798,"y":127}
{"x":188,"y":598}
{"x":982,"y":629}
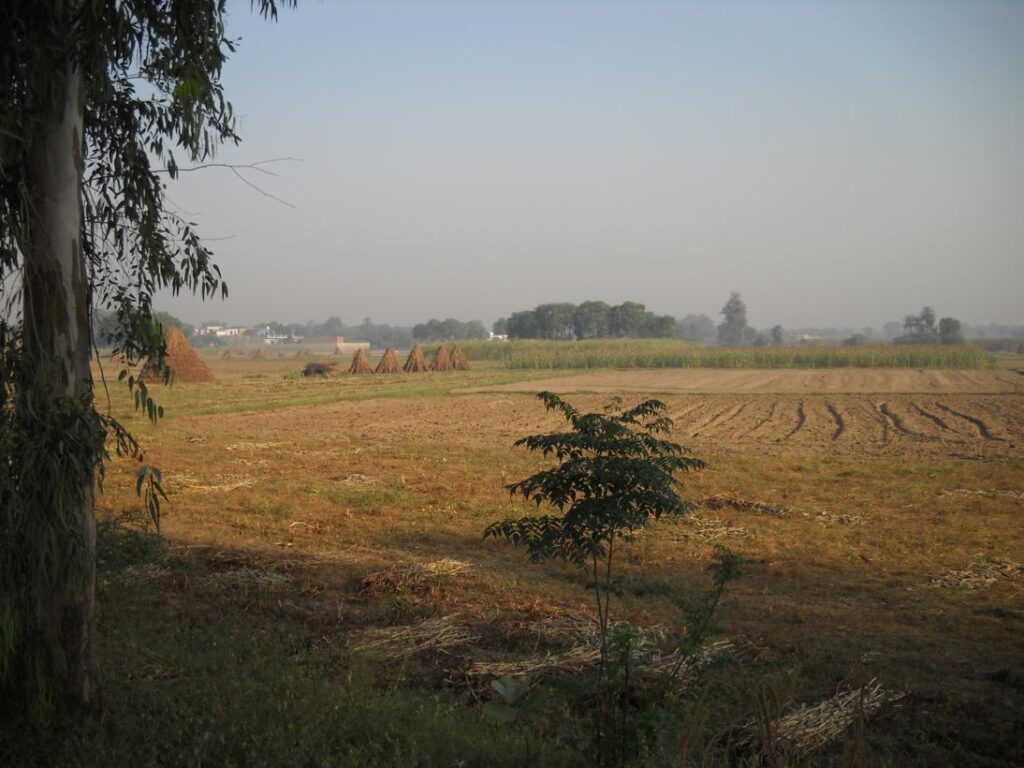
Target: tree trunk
{"x":57,"y":347}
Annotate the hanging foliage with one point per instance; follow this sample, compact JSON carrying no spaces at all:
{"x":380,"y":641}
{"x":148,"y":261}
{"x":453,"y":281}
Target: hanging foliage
{"x":100,"y":101}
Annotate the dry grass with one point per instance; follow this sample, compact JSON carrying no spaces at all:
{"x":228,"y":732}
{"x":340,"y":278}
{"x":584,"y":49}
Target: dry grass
{"x":414,"y":577}
{"x":337,"y":478}
{"x":440,"y":634}
{"x":721,"y":501}
{"x":982,"y":574}
{"x":811,"y":727}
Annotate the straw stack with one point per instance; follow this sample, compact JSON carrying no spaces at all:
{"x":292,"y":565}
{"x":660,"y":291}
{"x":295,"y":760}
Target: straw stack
{"x":388,"y":363}
{"x":359,"y":363}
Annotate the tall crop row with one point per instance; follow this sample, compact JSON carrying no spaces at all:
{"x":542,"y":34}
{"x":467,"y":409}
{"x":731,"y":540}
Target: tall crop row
{"x":661,"y":353}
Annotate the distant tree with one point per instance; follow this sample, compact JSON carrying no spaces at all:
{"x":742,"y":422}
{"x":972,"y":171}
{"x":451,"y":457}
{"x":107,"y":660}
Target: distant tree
{"x":950,"y":331}
{"x":522,"y":325}
{"x":697,"y":328}
{"x":475,"y":329}
{"x":921,"y":329}
{"x":928,"y":320}
{"x":734,"y":330}
{"x":500,"y":327}
{"x":776,"y":336}
{"x":921,"y":325}
{"x":658,"y":326}
{"x":555,"y":321}
{"x":627,"y":319}
{"x":592,"y":320}
{"x":856,"y":340}
{"x":892,"y":329}
{"x":448,"y":330}
{"x":333,"y":327}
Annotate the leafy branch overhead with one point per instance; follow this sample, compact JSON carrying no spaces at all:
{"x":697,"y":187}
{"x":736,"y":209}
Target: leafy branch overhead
{"x":615,"y":474}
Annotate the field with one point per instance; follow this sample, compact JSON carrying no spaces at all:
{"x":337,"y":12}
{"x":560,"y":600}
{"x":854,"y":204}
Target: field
{"x":670,"y":353}
{"x":310,"y":522}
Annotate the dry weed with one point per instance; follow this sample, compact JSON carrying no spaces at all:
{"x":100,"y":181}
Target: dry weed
{"x":438,"y":634}
{"x":980,"y":574}
{"x":812,"y":727}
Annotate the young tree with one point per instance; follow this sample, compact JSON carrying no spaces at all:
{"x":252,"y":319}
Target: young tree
{"x":614,"y":475}
{"x":776,"y":336}
{"x":93,"y":94}
{"x":734,"y":330}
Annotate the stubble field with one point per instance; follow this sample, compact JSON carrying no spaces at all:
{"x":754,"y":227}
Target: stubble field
{"x":895,"y":553}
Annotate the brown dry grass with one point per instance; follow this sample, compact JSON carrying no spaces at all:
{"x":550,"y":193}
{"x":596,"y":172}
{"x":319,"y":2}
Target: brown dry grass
{"x":840,"y":586}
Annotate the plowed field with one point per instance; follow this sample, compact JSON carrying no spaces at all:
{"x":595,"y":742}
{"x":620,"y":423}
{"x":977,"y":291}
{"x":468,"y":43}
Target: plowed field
{"x":894,"y":554}
{"x":838,"y":380}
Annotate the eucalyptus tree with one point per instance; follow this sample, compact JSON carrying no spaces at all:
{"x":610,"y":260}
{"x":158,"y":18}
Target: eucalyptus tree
{"x":99,"y":101}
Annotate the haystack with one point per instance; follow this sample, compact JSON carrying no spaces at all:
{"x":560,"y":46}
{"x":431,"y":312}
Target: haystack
{"x":415,"y":362}
{"x":440,"y":361}
{"x":459,"y":361}
{"x":185,"y":364}
{"x":359,"y":363}
{"x":388,"y":363}
{"x":258,"y":354}
{"x":227,"y":355}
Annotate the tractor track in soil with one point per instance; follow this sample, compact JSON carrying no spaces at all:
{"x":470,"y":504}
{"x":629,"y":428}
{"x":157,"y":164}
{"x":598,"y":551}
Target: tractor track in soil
{"x":837,"y":417}
{"x":979,"y":424}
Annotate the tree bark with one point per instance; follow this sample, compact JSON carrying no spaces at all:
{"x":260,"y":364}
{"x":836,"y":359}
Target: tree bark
{"x":57,"y":345}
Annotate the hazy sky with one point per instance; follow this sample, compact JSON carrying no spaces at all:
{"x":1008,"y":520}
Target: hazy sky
{"x":836,"y":163}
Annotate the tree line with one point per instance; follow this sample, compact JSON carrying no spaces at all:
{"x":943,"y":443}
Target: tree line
{"x":589,"y":320}
{"x":600,"y":320}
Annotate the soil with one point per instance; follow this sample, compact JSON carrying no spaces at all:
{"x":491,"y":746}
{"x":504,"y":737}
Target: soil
{"x":721,"y":381}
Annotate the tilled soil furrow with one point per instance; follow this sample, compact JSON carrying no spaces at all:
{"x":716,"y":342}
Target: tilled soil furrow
{"x":715,"y":426}
{"x":838,"y":418}
{"x":982,"y":427}
{"x":714,"y":419}
{"x":676,"y":417}
{"x":696,"y":417}
{"x":936,"y":420}
{"x":766,"y":420}
{"x":886,"y":421}
{"x":801,"y":419}
{"x":898,"y":422}
{"x":1009,"y":418}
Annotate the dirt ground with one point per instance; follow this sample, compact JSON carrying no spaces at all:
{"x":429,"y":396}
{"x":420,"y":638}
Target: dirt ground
{"x":889,"y":480}
{"x":729,"y":381}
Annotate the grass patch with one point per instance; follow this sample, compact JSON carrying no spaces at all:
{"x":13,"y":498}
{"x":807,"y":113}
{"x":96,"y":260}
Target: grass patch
{"x":237,"y":685}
